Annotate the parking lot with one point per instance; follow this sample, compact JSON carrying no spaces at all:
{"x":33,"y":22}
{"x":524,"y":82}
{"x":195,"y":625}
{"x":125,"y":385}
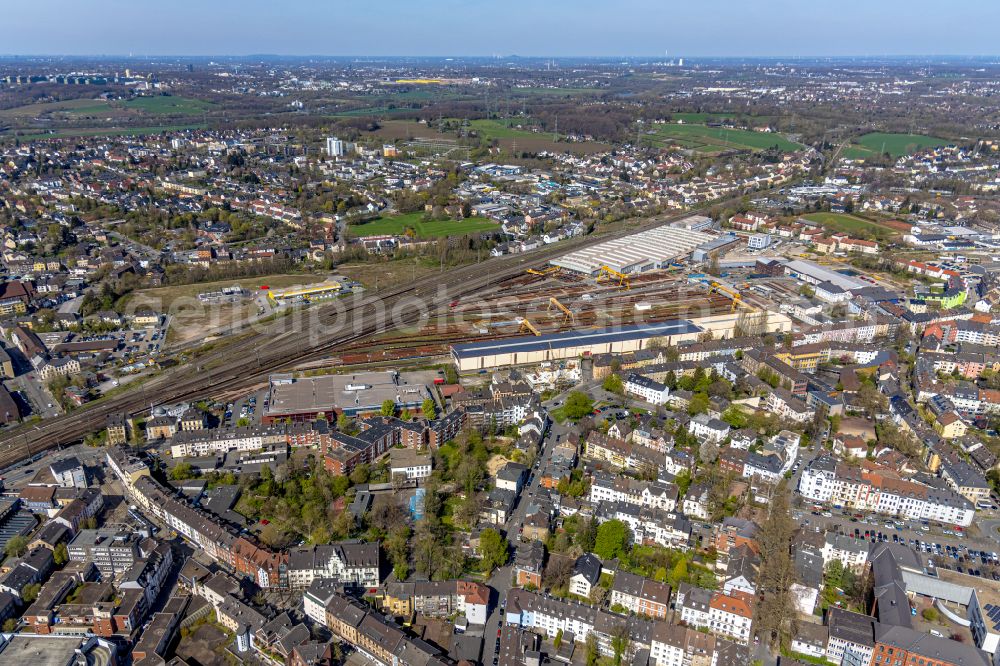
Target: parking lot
{"x":247,"y":409}
{"x":948,"y":547}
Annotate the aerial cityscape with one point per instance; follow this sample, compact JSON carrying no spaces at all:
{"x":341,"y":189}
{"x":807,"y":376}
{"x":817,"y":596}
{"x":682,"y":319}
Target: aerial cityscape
{"x":460,"y":334}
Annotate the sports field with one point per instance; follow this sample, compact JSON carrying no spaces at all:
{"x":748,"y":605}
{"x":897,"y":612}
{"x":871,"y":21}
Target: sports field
{"x":852,"y":224}
{"x":717,"y":139}
{"x":897,"y":145}
{"x":398,"y":224}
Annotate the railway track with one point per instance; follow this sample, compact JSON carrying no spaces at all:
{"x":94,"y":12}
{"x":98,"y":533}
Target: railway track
{"x":249,"y":359}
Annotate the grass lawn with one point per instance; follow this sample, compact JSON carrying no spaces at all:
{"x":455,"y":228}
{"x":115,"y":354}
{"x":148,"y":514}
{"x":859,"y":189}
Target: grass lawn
{"x":168,"y":105}
{"x":72,"y":106}
{"x":851,"y":224}
{"x":897,"y":145}
{"x":397,"y":224}
{"x":714,"y":139}
{"x":701,"y":117}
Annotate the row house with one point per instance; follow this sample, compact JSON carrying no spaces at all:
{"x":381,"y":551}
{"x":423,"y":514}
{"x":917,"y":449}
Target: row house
{"x":377,"y":638}
{"x":607,"y":487}
{"x":641,"y":596}
{"x":438,"y":599}
{"x":648,"y":525}
{"x":873,"y":488}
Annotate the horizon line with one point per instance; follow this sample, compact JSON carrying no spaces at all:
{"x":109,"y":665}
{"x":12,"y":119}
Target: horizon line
{"x":133,"y":56}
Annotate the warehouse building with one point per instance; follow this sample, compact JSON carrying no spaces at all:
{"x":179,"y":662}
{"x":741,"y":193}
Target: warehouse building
{"x":306,"y":398}
{"x":575,"y":344}
{"x":536,"y":349}
{"x":814,"y":274}
{"x":636,"y":253}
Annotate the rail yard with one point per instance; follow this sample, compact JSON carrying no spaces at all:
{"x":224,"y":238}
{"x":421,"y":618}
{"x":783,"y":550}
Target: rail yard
{"x":249,"y":357}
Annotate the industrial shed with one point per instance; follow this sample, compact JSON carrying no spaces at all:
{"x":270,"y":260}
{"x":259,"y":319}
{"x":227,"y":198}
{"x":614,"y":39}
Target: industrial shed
{"x":574,"y":344}
{"x":554,"y":347}
{"x":635,"y":253}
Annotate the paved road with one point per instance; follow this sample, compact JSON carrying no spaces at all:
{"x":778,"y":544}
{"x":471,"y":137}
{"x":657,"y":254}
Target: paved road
{"x":502,"y":578}
{"x":38,"y":396}
{"x":72,"y":306}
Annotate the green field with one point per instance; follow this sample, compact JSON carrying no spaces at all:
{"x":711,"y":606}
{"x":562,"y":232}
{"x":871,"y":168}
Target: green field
{"x":397,"y":224}
{"x":702,"y":117}
{"x":117,"y":131}
{"x":168,"y":105}
{"x":716,"y":139}
{"x":373,"y":111}
{"x":897,"y":145}
{"x":159,"y":105}
{"x":559,"y":91}
{"x":502,"y":129}
{"x":71,"y":106}
{"x":853,"y":225}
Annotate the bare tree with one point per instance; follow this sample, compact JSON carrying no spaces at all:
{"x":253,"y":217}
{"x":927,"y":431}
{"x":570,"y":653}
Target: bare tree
{"x":775,"y":618}
{"x":557,"y":572}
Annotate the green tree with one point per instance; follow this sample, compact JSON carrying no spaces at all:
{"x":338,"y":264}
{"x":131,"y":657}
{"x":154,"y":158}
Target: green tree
{"x":30,"y":592}
{"x":9,"y":625}
{"x":360,"y":474}
{"x":16,"y":546}
{"x":699,"y":404}
{"x":493,"y":548}
{"x":612,"y":539}
{"x":586,"y":535}
{"x":429,"y":409}
{"x":683,"y":482}
{"x":735,"y":417}
{"x":679,"y":573}
{"x":592,"y":652}
{"x":619,"y":641}
{"x":181,"y":471}
{"x":578,"y":404}
{"x":60,"y":555}
{"x":388,"y":407}
{"x":614,"y":384}
{"x":344,"y":422}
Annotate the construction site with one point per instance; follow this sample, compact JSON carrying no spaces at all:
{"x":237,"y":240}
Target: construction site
{"x":554,"y":301}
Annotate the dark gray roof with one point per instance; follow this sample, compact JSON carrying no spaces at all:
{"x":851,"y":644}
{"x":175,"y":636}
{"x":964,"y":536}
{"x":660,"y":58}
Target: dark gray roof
{"x":594,"y":336}
{"x":588,"y":566}
{"x":851,"y":627}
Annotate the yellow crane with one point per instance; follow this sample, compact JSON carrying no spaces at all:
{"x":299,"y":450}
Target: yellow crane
{"x":551,"y":270}
{"x":608,"y":273}
{"x":733,"y":295}
{"x":554,"y":302}
{"x":525,"y":324}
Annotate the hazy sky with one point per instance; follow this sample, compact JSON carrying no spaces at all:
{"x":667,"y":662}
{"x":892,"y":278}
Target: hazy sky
{"x":481,"y":27}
